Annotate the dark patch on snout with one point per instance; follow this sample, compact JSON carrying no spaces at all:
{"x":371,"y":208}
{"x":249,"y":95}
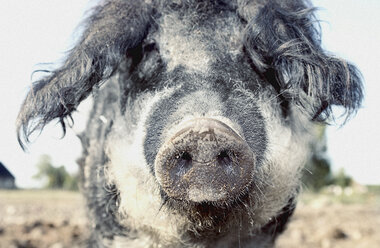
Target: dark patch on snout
{"x":239,"y":109}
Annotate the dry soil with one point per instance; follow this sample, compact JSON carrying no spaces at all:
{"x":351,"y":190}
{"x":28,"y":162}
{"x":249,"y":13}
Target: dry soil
{"x":57,"y":219}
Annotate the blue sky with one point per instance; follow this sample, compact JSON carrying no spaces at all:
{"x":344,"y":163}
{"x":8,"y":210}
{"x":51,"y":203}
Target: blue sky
{"x":40,"y":31}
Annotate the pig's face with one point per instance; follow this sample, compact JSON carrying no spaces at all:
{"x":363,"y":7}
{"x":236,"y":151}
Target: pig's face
{"x":217,"y":146}
{"x":210,"y":140}
{"x":203,"y":118}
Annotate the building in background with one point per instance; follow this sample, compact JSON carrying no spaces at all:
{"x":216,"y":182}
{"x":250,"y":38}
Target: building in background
{"x":7,"y":180}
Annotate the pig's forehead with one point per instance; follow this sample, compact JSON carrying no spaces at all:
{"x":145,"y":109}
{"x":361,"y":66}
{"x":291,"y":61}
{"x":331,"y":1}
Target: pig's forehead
{"x":199,"y":42}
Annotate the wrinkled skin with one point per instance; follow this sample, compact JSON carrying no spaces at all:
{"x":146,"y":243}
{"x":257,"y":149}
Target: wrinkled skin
{"x":202,"y":118}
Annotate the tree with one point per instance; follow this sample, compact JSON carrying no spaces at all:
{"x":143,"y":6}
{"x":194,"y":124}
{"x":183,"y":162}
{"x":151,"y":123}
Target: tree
{"x":317,"y":173}
{"x":56,"y":177}
{"x":341,"y":179}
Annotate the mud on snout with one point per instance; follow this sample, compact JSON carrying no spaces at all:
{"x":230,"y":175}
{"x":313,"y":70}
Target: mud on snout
{"x":205,"y":161}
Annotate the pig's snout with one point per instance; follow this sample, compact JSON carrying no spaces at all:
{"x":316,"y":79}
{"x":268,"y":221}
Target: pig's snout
{"x":205,"y":161}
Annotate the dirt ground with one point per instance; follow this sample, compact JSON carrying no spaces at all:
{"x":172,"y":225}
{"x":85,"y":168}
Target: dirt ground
{"x":56,"y":219}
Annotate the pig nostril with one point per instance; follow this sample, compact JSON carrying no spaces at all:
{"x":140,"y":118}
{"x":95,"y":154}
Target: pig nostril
{"x":186,"y":157}
{"x":184,"y":163}
{"x":224,"y":158}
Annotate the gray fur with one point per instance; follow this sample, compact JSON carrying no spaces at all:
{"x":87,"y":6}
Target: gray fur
{"x":254,"y":65}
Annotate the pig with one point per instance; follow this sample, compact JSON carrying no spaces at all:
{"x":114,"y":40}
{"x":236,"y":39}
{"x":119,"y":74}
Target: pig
{"x":202,"y":118}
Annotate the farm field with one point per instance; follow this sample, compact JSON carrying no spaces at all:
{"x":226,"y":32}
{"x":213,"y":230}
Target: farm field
{"x":57,"y":219}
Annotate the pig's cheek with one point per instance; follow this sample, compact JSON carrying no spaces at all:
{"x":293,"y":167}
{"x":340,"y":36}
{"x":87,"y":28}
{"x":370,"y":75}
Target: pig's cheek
{"x":140,"y":199}
{"x":288,"y":150}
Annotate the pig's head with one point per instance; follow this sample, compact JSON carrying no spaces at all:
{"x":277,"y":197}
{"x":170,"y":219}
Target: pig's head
{"x":202,"y":117}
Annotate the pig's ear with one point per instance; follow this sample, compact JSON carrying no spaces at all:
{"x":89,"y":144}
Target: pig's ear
{"x":283,"y":43}
{"x":109,"y":32}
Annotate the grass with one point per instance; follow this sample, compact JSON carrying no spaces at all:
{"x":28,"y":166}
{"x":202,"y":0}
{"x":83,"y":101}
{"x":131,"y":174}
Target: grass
{"x":375,"y":189}
{"x":371,"y":196}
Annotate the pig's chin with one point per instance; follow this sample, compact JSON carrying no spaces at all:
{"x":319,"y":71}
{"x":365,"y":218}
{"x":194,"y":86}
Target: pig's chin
{"x":211,"y":217}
